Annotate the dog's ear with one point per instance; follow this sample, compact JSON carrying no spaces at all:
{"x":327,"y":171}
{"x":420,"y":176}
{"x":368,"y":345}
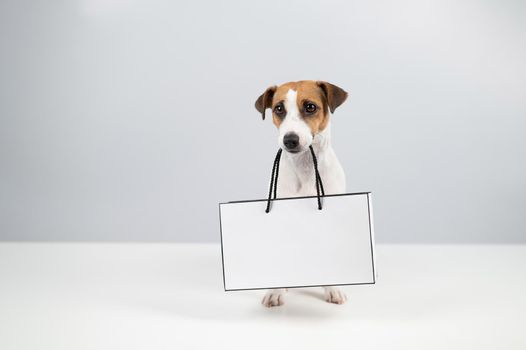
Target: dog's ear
{"x":265,"y":100}
{"x":335,"y":96}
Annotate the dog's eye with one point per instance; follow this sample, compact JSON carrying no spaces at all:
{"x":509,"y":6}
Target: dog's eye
{"x":279,"y":109}
{"x":310,"y":108}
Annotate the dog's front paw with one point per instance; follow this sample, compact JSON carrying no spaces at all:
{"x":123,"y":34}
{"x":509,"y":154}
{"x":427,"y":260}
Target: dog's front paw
{"x":274,"y":297}
{"x":335,"y":295}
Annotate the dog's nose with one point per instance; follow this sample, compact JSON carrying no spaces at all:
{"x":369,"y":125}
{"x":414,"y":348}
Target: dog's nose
{"x":291,"y":140}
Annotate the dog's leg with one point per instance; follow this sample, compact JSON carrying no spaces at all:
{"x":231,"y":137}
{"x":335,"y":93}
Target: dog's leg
{"x":274,"y":297}
{"x":334,"y":295}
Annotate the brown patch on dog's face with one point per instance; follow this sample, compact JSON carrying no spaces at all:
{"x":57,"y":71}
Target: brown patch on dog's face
{"x":312,"y":106}
{"x":308,"y":95}
{"x":314,"y":100}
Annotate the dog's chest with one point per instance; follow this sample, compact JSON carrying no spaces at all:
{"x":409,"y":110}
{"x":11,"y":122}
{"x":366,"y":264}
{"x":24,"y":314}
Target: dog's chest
{"x":296,"y":179}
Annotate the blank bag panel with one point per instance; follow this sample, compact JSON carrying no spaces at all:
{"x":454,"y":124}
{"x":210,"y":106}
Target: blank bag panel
{"x":297,"y":245}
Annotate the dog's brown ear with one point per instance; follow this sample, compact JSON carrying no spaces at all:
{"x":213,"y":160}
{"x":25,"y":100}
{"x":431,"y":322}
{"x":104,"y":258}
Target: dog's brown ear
{"x":265,"y":100}
{"x":335,"y":96}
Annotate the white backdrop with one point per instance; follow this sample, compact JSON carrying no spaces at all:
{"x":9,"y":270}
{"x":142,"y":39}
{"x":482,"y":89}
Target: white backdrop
{"x":131,"y":120}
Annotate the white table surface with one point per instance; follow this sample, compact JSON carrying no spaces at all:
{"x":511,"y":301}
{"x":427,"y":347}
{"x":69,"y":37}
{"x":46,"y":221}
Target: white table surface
{"x":170,"y":296}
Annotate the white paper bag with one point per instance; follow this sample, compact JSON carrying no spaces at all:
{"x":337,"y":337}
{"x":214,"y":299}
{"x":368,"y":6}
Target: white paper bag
{"x":297,"y":245}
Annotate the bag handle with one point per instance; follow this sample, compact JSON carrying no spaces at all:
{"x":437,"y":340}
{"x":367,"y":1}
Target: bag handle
{"x":275,"y":173}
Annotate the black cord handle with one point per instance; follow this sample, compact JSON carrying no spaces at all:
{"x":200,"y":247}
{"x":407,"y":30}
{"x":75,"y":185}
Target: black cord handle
{"x":320,"y":191}
{"x":274,"y":181}
{"x":319,"y":184}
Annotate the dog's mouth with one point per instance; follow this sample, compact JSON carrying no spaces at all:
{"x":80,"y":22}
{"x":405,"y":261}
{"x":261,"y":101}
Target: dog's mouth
{"x":296,"y":150}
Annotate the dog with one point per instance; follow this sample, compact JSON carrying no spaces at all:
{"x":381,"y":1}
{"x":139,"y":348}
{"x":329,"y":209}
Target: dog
{"x":301,"y":112}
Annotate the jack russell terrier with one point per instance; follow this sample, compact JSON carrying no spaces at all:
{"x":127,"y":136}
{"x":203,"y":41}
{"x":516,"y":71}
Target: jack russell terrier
{"x":301,"y":111}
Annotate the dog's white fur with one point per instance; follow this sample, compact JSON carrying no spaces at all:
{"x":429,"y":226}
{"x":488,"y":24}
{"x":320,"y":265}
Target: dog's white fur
{"x":296,"y":176}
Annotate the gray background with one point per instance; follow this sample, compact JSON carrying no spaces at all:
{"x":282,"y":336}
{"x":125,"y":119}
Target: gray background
{"x":131,"y":120}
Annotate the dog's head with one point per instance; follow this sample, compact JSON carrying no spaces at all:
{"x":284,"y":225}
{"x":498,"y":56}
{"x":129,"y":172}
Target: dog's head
{"x":300,"y":110}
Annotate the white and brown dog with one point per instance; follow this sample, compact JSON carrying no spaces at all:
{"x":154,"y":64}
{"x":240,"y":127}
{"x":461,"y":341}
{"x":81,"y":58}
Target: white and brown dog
{"x":301,"y":112}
